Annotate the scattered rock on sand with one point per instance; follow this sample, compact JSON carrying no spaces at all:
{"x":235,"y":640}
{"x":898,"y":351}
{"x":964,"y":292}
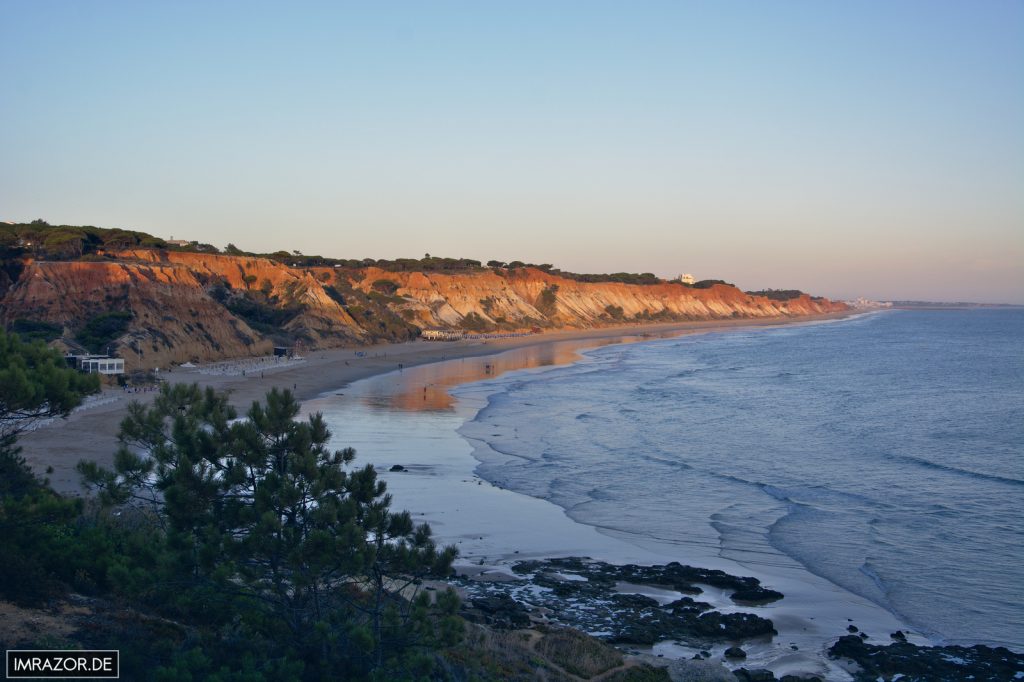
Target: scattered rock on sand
{"x":757,"y":675}
{"x":735,"y":652}
{"x":698,"y":671}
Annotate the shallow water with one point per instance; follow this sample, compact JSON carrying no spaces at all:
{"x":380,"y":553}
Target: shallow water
{"x":884,"y":453}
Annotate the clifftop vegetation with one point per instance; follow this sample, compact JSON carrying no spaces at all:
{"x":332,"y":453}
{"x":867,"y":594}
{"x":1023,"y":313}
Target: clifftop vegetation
{"x":41,"y":240}
{"x":778,"y":294}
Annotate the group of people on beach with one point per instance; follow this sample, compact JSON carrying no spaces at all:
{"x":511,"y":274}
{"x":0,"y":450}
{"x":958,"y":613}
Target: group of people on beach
{"x":148,"y":388}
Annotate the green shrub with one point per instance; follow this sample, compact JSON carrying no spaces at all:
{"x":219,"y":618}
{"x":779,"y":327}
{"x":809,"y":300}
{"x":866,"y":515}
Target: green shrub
{"x":102,"y":330}
{"x":33,"y":330}
{"x":548,"y":300}
{"x":385,"y":286}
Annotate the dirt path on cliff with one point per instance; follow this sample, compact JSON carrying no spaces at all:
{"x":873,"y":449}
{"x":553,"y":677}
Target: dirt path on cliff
{"x":91,"y":433}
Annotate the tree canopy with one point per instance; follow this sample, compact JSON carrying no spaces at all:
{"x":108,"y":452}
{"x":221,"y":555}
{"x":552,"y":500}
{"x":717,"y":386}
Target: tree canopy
{"x":35,"y":383}
{"x":262,"y":518}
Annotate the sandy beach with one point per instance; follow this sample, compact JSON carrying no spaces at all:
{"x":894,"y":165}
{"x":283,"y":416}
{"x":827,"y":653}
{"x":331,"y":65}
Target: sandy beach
{"x":91,"y":431}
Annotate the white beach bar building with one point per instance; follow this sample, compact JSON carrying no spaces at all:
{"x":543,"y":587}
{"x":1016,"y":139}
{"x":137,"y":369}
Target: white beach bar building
{"x":96,"y":364}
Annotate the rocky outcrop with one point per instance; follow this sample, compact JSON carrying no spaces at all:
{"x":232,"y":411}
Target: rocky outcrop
{"x":555,"y":588}
{"x":186,"y":306}
{"x":910,"y":662}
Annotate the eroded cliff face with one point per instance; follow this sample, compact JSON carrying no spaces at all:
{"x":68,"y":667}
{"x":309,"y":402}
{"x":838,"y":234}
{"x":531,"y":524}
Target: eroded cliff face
{"x":200,"y":307}
{"x":518,"y":299}
{"x":175,"y":317}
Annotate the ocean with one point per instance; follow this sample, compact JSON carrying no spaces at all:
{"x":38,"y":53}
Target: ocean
{"x":883,"y":453}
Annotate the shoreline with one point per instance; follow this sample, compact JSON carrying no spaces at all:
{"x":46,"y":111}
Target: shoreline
{"x":53,"y":449}
{"x":494,"y":527}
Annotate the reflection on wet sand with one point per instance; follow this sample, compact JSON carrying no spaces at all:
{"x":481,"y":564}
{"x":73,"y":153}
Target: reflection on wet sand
{"x":426,"y":387}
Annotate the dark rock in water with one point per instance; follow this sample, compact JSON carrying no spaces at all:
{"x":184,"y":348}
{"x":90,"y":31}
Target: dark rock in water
{"x":755,"y":595}
{"x":397,"y":467}
{"x":634,"y":601}
{"x":863,"y":635}
{"x":852,"y":628}
{"x":758,"y":675}
{"x":733,"y":626}
{"x":977,"y":663}
{"x":687,"y":605}
{"x":674,"y":576}
{"x":899,"y":636}
{"x":735,"y":652}
{"x":800,"y":678}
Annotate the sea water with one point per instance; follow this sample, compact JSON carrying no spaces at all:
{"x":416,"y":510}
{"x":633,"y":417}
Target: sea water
{"x":884,"y":453}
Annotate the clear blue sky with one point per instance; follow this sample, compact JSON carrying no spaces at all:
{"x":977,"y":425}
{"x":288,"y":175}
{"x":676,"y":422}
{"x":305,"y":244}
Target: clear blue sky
{"x":844,"y":148}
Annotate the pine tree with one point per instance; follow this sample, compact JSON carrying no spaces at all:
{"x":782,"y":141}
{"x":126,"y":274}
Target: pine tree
{"x":261,"y":512}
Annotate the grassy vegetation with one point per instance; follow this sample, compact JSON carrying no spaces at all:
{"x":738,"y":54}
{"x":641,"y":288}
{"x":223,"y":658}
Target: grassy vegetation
{"x":544,"y":655}
{"x":578,"y":654}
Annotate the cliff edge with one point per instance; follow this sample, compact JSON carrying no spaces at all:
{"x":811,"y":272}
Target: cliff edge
{"x":155,"y":306}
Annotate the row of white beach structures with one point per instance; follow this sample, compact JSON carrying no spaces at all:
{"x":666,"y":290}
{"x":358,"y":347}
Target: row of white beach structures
{"x":460,"y":334}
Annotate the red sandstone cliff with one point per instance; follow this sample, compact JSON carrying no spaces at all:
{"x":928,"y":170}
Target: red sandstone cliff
{"x":511,"y":298}
{"x":193,"y":306}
